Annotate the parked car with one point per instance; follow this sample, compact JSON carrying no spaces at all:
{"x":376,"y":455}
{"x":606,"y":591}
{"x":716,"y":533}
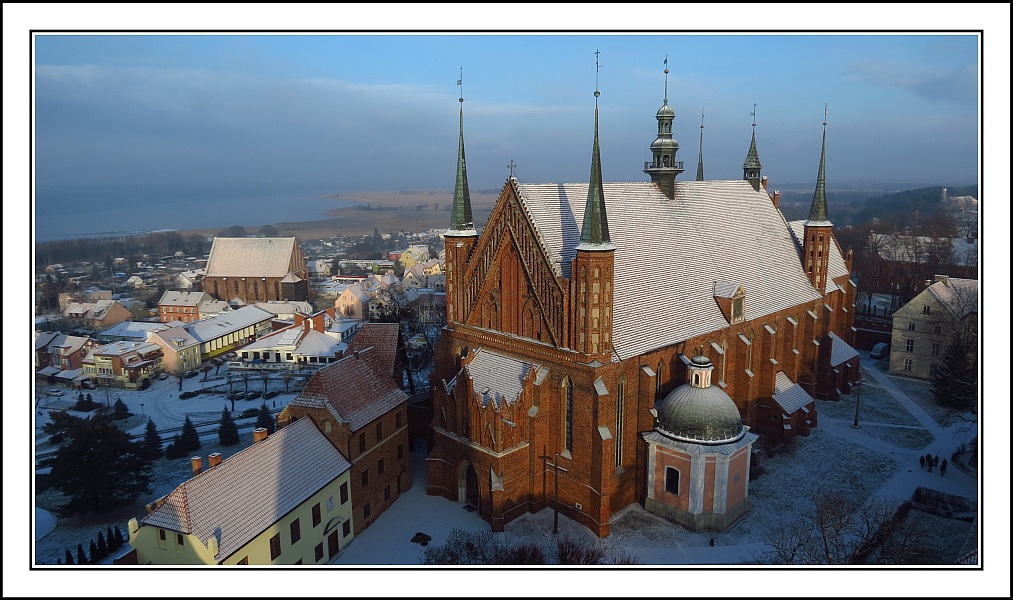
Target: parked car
{"x":252,"y":395}
{"x":190,"y":374}
{"x":187,"y":395}
{"x":880,"y":350}
{"x":55,"y":392}
{"x":163,"y":375}
{"x":88,"y":384}
{"x":249,"y":412}
{"x":270,"y":395}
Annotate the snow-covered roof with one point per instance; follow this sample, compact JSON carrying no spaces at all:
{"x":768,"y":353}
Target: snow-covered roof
{"x":219,"y":325}
{"x":138,"y":330}
{"x":356,"y":388}
{"x":246,"y":493}
{"x":497,"y":378}
{"x":789,"y":395}
{"x":383,"y":337}
{"x":745,"y":238}
{"x":840,"y":351}
{"x":959,"y":296}
{"x":181,"y":298}
{"x":251,"y":257}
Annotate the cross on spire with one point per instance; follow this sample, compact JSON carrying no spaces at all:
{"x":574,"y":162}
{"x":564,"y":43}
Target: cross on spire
{"x":511,"y":166}
{"x":753,"y":114}
{"x":460,"y":85}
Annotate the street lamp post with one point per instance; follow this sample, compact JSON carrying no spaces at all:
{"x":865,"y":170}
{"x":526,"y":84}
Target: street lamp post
{"x":142,"y":408}
{"x":858,"y":399}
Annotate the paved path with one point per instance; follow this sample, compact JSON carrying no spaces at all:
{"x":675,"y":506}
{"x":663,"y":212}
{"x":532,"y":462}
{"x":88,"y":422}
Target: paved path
{"x":910,"y":475}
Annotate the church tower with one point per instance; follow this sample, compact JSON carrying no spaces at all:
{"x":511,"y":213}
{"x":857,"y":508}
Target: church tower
{"x":818,"y":228}
{"x":751,"y":168}
{"x":461,"y":237}
{"x":663,"y":167}
{"x":592,"y":274}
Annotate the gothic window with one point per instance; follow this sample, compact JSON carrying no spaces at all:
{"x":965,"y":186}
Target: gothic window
{"x":657,"y":382}
{"x":568,"y":414}
{"x":620,"y":401}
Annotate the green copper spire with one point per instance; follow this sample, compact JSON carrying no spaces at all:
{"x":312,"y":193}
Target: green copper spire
{"x":461,"y":222}
{"x":699,"y":163}
{"x":596,"y":225}
{"x":594,"y":235}
{"x":818,"y":215}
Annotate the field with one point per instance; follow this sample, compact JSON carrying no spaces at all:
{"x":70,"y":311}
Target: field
{"x":387,"y":212}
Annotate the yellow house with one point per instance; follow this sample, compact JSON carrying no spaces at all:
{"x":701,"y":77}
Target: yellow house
{"x":285,"y":500}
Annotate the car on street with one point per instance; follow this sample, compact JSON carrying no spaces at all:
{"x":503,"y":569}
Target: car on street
{"x":190,"y":374}
{"x":163,"y":375}
{"x":249,"y":412}
{"x":54,"y":393}
{"x":88,"y":384}
{"x":186,"y":395}
{"x":252,"y":395}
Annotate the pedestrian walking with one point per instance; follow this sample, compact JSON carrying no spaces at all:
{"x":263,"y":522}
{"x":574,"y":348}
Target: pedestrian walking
{"x":942,"y":469}
{"x":935,"y":461}
{"x":928,"y":461}
{"x":921,"y":461}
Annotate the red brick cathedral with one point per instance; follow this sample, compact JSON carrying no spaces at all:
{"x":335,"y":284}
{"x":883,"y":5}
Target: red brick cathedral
{"x":581,"y":307}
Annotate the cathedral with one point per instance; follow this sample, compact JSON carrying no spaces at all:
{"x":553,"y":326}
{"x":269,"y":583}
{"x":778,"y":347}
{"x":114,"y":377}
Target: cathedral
{"x":572,"y":373}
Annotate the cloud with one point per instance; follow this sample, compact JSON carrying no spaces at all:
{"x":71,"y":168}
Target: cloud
{"x":954,"y":85}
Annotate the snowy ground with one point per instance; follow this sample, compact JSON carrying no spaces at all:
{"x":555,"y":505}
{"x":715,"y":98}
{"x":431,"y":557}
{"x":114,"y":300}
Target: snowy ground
{"x":880,"y":459}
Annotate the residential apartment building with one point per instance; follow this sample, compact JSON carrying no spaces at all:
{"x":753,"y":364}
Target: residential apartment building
{"x":285,"y":500}
{"x":923,"y":327}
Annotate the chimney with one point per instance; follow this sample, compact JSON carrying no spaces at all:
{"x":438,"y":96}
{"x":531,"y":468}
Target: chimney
{"x":214,"y":459}
{"x":259,"y":434}
{"x":944,"y":278}
{"x":763,"y":182}
{"x":777,"y":198}
{"x":195,"y":462}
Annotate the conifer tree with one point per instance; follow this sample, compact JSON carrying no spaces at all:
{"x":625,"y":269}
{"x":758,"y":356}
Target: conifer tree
{"x":120,"y":411}
{"x":82,"y":559}
{"x":103,"y":548}
{"x":151,"y":447}
{"x":119,"y":536}
{"x":228,"y":432}
{"x":98,"y":467}
{"x":93,"y":551}
{"x":264,"y":419}
{"x":189,"y":440}
{"x":68,"y":558}
{"x":111,"y":540}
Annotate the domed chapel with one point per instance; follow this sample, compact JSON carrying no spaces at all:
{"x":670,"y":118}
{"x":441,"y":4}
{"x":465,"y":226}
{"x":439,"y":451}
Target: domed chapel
{"x":565,"y":362}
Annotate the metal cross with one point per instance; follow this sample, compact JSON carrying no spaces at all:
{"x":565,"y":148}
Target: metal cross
{"x":511,"y":166}
{"x":753,"y":114}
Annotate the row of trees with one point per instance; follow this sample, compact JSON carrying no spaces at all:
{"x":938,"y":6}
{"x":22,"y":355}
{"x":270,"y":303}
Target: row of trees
{"x":102,"y":250}
{"x":106,"y":545}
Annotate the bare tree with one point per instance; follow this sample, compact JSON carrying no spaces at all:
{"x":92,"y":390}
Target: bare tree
{"x":835,"y":530}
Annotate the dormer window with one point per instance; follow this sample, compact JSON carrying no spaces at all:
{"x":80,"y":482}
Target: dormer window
{"x":737,"y":314}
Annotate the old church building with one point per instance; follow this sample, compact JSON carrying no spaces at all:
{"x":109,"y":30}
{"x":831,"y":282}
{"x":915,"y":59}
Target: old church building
{"x":562,"y":349}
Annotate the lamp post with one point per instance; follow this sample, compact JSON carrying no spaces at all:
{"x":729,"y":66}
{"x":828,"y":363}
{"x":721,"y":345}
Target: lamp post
{"x":858,"y":399}
{"x":142,"y":408}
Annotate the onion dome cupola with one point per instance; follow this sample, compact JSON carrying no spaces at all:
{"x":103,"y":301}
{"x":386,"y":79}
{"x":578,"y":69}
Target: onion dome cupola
{"x":751,"y":167}
{"x":461,"y":222}
{"x":663,"y":167}
{"x":698,"y":412}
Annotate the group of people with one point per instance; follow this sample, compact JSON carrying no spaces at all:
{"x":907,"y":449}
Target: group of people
{"x":933,"y":461}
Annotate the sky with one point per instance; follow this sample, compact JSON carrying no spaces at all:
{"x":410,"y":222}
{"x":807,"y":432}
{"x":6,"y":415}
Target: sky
{"x":340,"y":112}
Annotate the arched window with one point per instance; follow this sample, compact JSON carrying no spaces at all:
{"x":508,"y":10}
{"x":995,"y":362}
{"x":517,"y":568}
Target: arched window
{"x":657,"y":382}
{"x":568,"y":414}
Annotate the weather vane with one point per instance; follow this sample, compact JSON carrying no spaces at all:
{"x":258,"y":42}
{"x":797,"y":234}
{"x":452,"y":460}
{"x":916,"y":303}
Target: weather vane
{"x":701,"y":118}
{"x":596,"y":67}
{"x":460,"y":85}
{"x":825,"y":113}
{"x":753,"y":114}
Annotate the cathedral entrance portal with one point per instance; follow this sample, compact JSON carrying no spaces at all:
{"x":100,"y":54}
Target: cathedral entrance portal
{"x":467,"y":485}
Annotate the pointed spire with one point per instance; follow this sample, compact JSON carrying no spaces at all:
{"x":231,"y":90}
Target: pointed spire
{"x":594,"y":235}
{"x":751,"y":168}
{"x":461,"y":222}
{"x":699,"y":163}
{"x":818,"y":215}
